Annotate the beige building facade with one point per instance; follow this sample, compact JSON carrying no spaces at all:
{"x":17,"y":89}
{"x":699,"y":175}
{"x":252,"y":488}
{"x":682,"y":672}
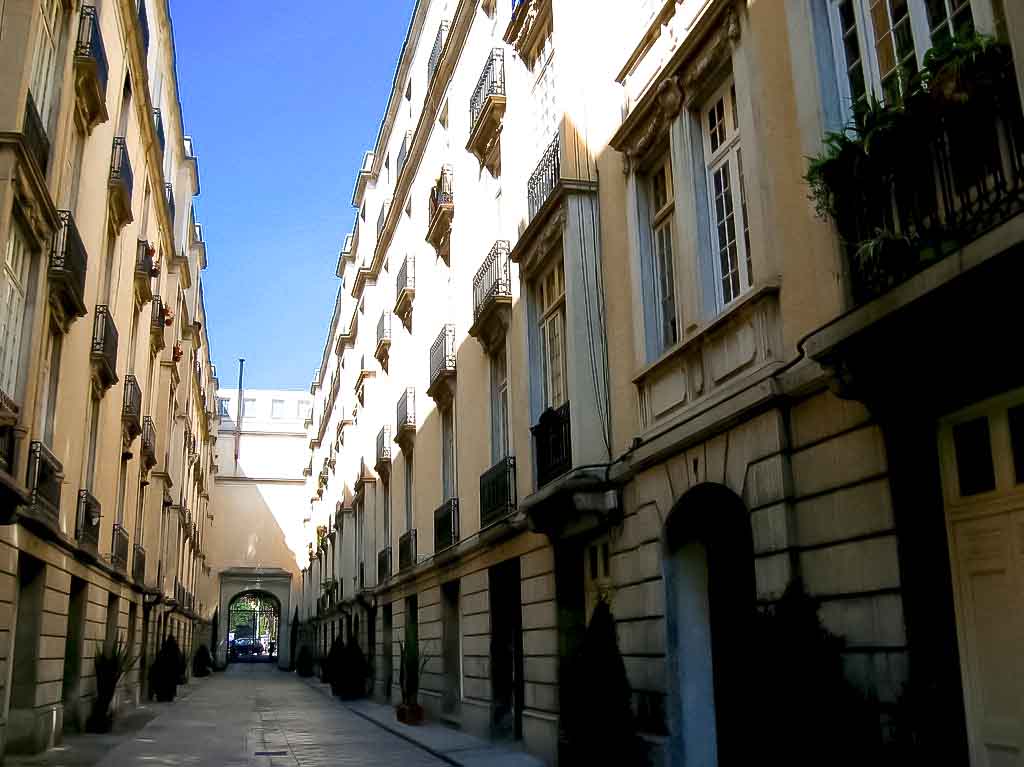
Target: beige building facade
{"x":593,"y":341}
{"x":108,"y":417}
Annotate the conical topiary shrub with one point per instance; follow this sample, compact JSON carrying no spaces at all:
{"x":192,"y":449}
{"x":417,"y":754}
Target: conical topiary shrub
{"x":304,"y":663}
{"x":202,"y":663}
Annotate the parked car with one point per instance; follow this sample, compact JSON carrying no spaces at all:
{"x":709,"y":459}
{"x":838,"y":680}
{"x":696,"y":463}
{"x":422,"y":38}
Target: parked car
{"x":246,"y":646}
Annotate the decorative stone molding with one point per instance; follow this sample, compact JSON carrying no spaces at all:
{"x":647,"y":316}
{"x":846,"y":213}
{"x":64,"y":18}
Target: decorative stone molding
{"x":667,"y":105}
{"x":533,"y":254}
{"x":714,"y":54}
{"x":529,"y":27}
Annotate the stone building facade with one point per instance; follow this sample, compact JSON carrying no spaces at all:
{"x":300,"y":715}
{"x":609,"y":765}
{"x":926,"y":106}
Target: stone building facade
{"x":107,"y":414}
{"x":593,"y":341}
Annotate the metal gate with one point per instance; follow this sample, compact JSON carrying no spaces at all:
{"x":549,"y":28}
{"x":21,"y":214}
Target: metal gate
{"x":254,"y":619}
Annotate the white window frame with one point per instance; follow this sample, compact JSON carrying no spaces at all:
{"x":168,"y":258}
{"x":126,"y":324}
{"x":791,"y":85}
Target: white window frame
{"x":448,"y":484}
{"x":44,"y":65}
{"x":723,"y":159}
{"x":661,"y":223}
{"x":499,"y":405}
{"x":552,"y":325}
{"x":16,"y":305}
{"x":277,"y":407}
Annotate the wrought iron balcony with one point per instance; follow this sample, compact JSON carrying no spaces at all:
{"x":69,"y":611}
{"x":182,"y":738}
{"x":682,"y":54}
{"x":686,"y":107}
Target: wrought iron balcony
{"x":104,"y":348}
{"x":148,"y":443}
{"x":87,"y":528}
{"x":407,"y":550}
{"x":486,"y":112}
{"x":119,"y":548}
{"x":405,"y":290}
{"x":157,"y":322}
{"x":144,"y":27}
{"x":383,"y":564}
{"x":442,"y":366}
{"x":552,"y":439}
{"x":498,"y":491}
{"x":442,"y":211}
{"x":91,"y":68}
{"x":446,"y":525}
{"x":158,"y":125}
{"x":383,"y":464}
{"x":383,"y":338}
{"x":382,"y":217}
{"x":403,"y":153}
{"x":169,"y":196}
{"x":144,"y":268}
{"x":122,"y":183}
{"x":45,"y":475}
{"x":492,"y":297}
{"x":68,"y":264}
{"x":438,"y":49}
{"x":139,"y":565}
{"x":131,"y":413}
{"x":405,"y":429}
{"x":33,"y":133}
{"x":544,"y":178}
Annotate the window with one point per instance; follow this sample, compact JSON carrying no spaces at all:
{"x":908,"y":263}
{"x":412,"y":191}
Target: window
{"x":305,"y":408}
{"x":51,"y":374}
{"x":551,"y":305}
{"x":277,"y":408}
{"x":661,"y":200}
{"x":222,"y":407}
{"x":14,"y":305}
{"x":44,"y":84}
{"x":499,"y":405}
{"x":730,"y":234}
{"x":408,"y":492}
{"x":880,"y":44}
{"x":448,"y":453}
{"x":248,"y":407}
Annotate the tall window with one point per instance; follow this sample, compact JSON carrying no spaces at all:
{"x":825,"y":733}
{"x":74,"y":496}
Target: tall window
{"x":662,"y":210}
{"x":499,"y":405}
{"x":51,"y":373}
{"x":44,"y":83}
{"x":551,"y":305}
{"x":386,"y":487}
{"x":408,"y":492}
{"x":880,"y":44}
{"x":222,"y":407}
{"x":14,"y":306}
{"x":448,"y":453}
{"x":277,"y":408}
{"x":729,"y":228}
{"x":93,"y":444}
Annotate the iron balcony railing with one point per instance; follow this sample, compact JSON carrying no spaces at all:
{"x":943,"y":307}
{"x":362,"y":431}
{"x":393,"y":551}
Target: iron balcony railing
{"x":382,"y":217}
{"x":406,"y":410}
{"x":119,"y":548}
{"x":45,"y":475}
{"x":68,"y":263}
{"x":441,"y":193}
{"x":384,"y":446}
{"x":498,"y":491}
{"x":139,"y":565}
{"x":491,"y":83}
{"x":34,"y":133}
{"x":169,"y":196}
{"x":553,"y":444}
{"x":131,"y":413}
{"x":121,"y":168}
{"x":406,"y":280}
{"x":384,"y":330}
{"x":144,"y":26}
{"x":403,"y":153}
{"x":104,"y":345}
{"x":383,"y":564}
{"x":438,"y":49}
{"x":446,"y":525}
{"x":158,"y":124}
{"x":148,"y":442}
{"x":90,"y":45}
{"x":407,"y":550}
{"x":544,"y":178}
{"x":156,"y":315}
{"x":442,"y":354}
{"x":493,"y":279}
{"x":144,"y":260}
{"x":87,"y":528}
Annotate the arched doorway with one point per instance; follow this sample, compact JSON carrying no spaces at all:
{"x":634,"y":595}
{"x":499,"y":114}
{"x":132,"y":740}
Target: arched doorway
{"x":271,"y":583}
{"x":710,"y":599}
{"x":254,"y":627}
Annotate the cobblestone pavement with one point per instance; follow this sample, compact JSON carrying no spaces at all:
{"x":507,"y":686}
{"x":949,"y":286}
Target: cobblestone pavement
{"x":257,"y":716}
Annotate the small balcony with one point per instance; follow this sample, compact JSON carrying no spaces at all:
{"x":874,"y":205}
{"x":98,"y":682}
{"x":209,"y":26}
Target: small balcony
{"x":442,"y":211}
{"x":139,"y":565}
{"x":144,"y":271}
{"x":442,"y":367}
{"x":446,"y":525}
{"x":405,"y":427}
{"x":131,"y":412}
{"x":383,"y":564}
{"x":121,"y":184}
{"x":119,"y":548}
{"x":157,"y":323}
{"x":552,"y":440}
{"x":382,"y":217}
{"x":435,"y":54}
{"x":148,"y":443}
{"x":498,"y":492}
{"x":103,"y":354}
{"x":45,"y":477}
{"x":383,"y":464}
{"x":403,"y":154}
{"x":544,"y":179}
{"x":383,"y":339}
{"x":407,"y":550}
{"x":492,"y":298}
{"x":33,"y":133}
{"x":87,"y":527}
{"x":158,"y":126}
{"x":144,"y":28}
{"x":68,"y":264}
{"x":486,"y":113}
{"x":169,"y":197}
{"x":91,"y":69}
{"x":405,"y":291}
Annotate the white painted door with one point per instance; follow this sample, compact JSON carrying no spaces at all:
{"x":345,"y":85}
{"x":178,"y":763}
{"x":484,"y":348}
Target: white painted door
{"x":982,"y":452}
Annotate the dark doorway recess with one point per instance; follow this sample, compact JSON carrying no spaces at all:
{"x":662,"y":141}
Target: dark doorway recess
{"x":254,"y":622}
{"x":506,"y":651}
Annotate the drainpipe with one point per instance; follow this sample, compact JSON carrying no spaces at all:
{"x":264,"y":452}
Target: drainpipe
{"x":238,"y":420}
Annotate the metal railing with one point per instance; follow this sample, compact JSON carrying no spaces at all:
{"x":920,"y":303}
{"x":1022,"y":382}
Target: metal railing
{"x":383,"y":564}
{"x":148,"y":442}
{"x":158,"y":124}
{"x":45,"y":474}
{"x":143,"y":260}
{"x":384,"y":329}
{"x":382,"y":217}
{"x":552,"y":439}
{"x":544,"y":178}
{"x":441,"y":191}
{"x":144,"y":26}
{"x":403,"y":153}
{"x":406,"y":409}
{"x":89,"y":45}
{"x":34,"y":134}
{"x":438,"y":49}
{"x":87,"y":527}
{"x":384,"y":445}
{"x":131,"y":412}
{"x":406,"y":280}
{"x":498,"y":491}
{"x":121,"y":168}
{"x":104,"y":343}
{"x":446,"y":525}
{"x":139,"y":564}
{"x":491,"y":83}
{"x":68,"y":260}
{"x":169,"y":196}
{"x":156,"y":315}
{"x":407,"y":550}
{"x":119,"y":548}
{"x":493,"y":279}
{"x":442,"y":354}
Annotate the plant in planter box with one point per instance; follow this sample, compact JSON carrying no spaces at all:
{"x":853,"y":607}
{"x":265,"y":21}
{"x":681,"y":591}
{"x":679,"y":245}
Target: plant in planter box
{"x":164,"y":673}
{"x":111,"y":666}
{"x":178,"y":352}
{"x":410,"y":669}
{"x":304,"y":662}
{"x":168,"y":313}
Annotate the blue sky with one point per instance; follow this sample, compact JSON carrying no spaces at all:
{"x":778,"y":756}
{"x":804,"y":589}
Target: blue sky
{"x":282,"y":100}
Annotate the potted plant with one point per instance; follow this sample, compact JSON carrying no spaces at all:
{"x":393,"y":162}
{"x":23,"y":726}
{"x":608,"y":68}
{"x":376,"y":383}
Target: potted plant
{"x":304,"y":662}
{"x":111,"y":666}
{"x":202,"y":662}
{"x":410,"y":668}
{"x":168,"y":313}
{"x":178,"y":352}
{"x":163,"y":674}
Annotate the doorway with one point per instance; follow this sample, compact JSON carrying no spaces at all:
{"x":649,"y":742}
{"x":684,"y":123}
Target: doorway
{"x":254,"y":622}
{"x":73,"y":648}
{"x":451,"y":639}
{"x":388,"y":659}
{"x":506,"y":651}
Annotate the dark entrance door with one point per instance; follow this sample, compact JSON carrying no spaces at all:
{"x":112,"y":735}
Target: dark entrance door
{"x":506,"y":650}
{"x":253,"y":624}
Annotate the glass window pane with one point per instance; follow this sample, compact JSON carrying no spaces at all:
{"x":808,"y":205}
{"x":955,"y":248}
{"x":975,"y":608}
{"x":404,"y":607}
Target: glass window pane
{"x":973,"y":448}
